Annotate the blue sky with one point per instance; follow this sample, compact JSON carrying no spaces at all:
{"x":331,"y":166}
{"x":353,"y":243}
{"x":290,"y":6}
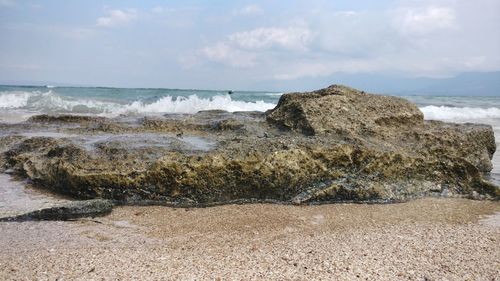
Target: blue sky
{"x":244,"y":44}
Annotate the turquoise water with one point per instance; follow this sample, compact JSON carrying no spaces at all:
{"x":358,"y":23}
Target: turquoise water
{"x":123,"y":95}
{"x":29,"y":100}
{"x":19,"y":102}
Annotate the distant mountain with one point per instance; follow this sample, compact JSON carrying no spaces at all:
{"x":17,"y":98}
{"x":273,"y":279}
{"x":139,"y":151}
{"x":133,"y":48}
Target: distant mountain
{"x":466,"y":84}
{"x":475,"y":83}
{"x":470,"y":84}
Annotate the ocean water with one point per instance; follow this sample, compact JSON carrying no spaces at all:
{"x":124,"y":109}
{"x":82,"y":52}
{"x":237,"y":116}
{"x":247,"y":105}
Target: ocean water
{"x":24,"y":101}
{"x":17,"y":103}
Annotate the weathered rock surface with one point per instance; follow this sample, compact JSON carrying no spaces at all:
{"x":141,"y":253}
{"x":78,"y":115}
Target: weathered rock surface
{"x":343,"y":110}
{"x":335,"y":144}
{"x":67,"y":211}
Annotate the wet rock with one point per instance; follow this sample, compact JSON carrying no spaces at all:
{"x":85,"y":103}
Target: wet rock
{"x":333,"y":145}
{"x":228,"y":125}
{"x":67,"y":211}
{"x":44,"y":118}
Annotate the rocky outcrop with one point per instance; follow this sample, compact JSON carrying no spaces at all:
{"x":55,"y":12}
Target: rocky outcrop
{"x":342,"y":110}
{"x":333,"y":145}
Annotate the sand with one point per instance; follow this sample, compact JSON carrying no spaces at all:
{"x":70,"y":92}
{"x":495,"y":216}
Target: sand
{"x":426,"y":239}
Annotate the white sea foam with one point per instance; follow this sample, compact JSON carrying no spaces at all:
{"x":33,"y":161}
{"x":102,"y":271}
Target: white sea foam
{"x":50,"y":102}
{"x":446,"y":113}
{"x":15,"y":99}
{"x":193,"y":104}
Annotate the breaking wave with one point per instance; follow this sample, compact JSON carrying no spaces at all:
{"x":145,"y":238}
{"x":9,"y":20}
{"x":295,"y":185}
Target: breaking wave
{"x":447,"y":113}
{"x":193,"y":104}
{"x":16,"y":99}
{"x":50,"y":102}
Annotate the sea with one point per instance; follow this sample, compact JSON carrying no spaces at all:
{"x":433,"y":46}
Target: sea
{"x":18,"y":103}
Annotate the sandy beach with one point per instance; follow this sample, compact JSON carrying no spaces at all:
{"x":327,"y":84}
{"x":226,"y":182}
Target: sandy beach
{"x":426,"y":239}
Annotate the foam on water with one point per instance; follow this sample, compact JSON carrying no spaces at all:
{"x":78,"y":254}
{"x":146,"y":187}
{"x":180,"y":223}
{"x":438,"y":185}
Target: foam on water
{"x":37,"y":102}
{"x":193,"y":104}
{"x":489,"y":116}
{"x":465,"y":114}
{"x":15,"y":99}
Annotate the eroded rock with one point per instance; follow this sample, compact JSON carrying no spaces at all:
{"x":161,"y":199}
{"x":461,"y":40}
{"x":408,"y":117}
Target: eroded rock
{"x":335,"y":144}
{"x":343,"y":110}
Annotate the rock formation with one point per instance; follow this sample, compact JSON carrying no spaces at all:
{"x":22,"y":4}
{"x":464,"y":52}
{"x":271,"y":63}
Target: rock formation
{"x":335,"y":144}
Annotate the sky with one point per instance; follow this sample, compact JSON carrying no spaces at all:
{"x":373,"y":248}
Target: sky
{"x":244,"y":45}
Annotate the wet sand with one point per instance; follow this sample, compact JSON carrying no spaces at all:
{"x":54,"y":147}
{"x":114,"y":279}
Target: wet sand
{"x":426,"y":239}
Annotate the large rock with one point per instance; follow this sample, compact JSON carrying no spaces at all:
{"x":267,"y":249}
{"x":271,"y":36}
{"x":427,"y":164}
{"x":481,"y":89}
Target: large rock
{"x":336,"y":144}
{"x":343,"y":110}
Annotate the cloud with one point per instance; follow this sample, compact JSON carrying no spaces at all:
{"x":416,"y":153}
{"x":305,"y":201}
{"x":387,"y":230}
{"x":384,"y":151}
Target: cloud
{"x":225,"y":54}
{"x":425,"y":20}
{"x":418,"y":38}
{"x":248,"y":10}
{"x":292,"y":38}
{"x":243,"y":49}
{"x":116,"y":17}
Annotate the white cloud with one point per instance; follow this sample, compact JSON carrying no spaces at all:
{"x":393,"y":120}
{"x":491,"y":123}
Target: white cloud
{"x":415,"y":39}
{"x":244,"y":49}
{"x":292,"y":38}
{"x":116,"y":17}
{"x":225,"y":54}
{"x":248,"y":10}
{"x":425,"y":20}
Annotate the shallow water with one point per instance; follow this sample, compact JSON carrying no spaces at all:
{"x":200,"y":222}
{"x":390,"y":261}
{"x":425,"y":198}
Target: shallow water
{"x":127,"y":140}
{"x":17,"y":197}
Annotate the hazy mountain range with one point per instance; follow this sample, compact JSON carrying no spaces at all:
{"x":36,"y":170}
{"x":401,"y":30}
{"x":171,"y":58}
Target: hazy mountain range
{"x":465,"y":84}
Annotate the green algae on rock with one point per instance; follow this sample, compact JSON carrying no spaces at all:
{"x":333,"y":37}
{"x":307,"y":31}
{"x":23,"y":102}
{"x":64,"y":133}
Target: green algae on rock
{"x":335,"y":144}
